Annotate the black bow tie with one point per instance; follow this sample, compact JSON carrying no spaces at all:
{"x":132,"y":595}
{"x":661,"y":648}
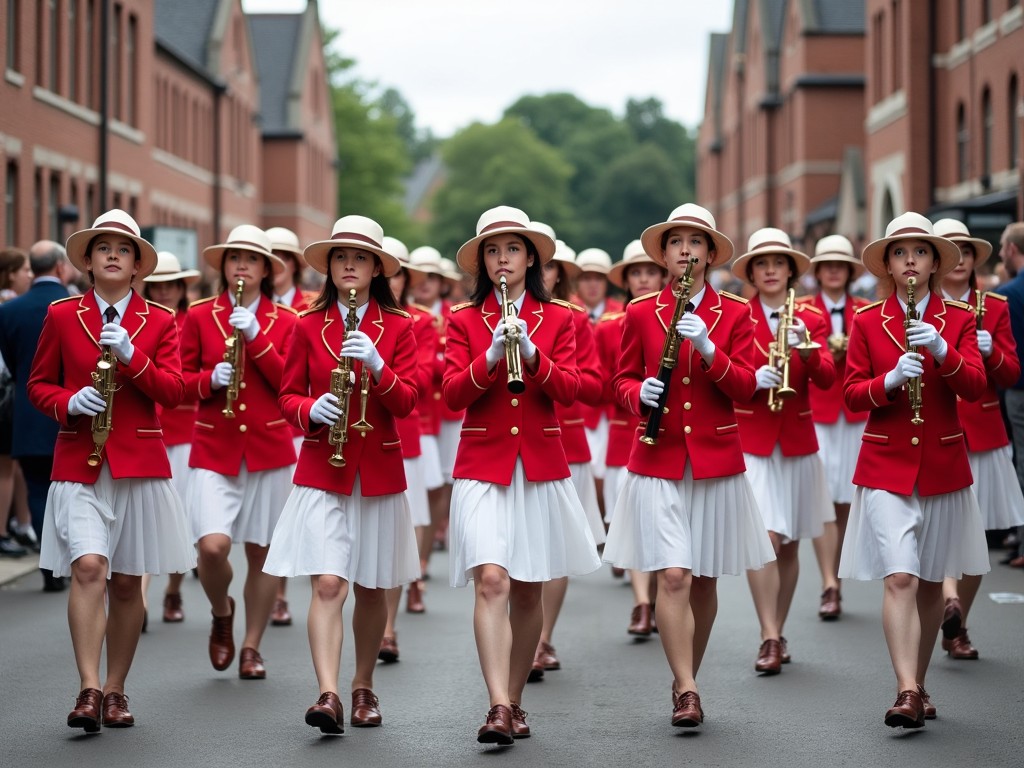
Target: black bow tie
{"x":837,"y":310}
{"x":774,"y":316}
{"x":689,"y":307}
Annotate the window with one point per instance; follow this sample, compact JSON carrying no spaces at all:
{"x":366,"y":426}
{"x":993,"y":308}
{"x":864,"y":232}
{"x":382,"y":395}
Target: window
{"x":54,"y":25}
{"x":961,"y":19}
{"x":54,"y":217}
{"x":89,"y":214}
{"x":131,"y":46}
{"x":72,"y":49}
{"x":11,"y":203}
{"x":37,"y":205}
{"x":40,"y":41}
{"x":12,"y":34}
{"x":115,"y":64}
{"x":90,"y":52}
{"x":897,"y":42}
{"x":877,"y":87}
{"x":962,"y":145}
{"x":987,"y":124}
{"x":986,"y":11}
{"x":1014,"y":124}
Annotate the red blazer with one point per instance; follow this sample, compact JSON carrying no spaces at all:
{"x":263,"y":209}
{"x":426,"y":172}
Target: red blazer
{"x":258,"y":434}
{"x":983,"y":420}
{"x":312,"y":355}
{"x":178,"y":422}
{"x":592,"y":413}
{"x":896,"y":455}
{"x":700,"y":426}
{"x":430,"y":370}
{"x":425,"y":334}
{"x":827,"y":402}
{"x":444,"y":411}
{"x":572,"y":417}
{"x":500,"y":427}
{"x":64,"y":362}
{"x":791,"y":428}
{"x":623,"y":422}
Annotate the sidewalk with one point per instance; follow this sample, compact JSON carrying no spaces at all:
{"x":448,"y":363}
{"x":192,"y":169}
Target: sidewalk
{"x":13,"y":568}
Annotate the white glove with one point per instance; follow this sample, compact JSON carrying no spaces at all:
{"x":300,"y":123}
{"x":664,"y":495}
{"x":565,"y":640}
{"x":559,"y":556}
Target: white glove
{"x":797,"y":331}
{"x":496,"y":351}
{"x":909,"y":366}
{"x":114,"y":336}
{"x":693,"y":328}
{"x":86,"y":402}
{"x":985,"y":343}
{"x":767,"y":377}
{"x":650,"y":391}
{"x":221,"y":375}
{"x":922,"y":334}
{"x":245,"y":321}
{"x":359,"y":347}
{"x":325,"y":410}
{"x":527,"y":349}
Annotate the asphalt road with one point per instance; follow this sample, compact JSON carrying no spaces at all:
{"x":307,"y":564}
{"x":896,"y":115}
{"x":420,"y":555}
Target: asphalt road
{"x":608,"y":706}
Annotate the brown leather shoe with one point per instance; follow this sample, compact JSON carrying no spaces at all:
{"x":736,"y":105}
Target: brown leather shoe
{"x":546,"y":656}
{"x":640,"y":620}
{"x":520,"y":730}
{"x":173,"y":612}
{"x":907,"y":712}
{"x":222,"y":641}
{"x":414,"y":598}
{"x":952,"y":618}
{"x":365,"y":709}
{"x":250,"y":665}
{"x":86,"y":713}
{"x":115,"y":711}
{"x":960,"y":646}
{"x":686,"y":710}
{"x":280,"y":616}
{"x":388,"y":652}
{"x":930,"y":713}
{"x":498,"y":727}
{"x":618,"y":573}
{"x":327,"y":714}
{"x":536,"y":671}
{"x":830,"y":609}
{"x":784,"y":657}
{"x":769,"y":658}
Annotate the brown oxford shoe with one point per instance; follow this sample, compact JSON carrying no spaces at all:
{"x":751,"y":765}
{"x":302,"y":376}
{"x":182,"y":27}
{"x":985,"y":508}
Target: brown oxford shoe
{"x":365,"y":709}
{"x":686,"y":710}
{"x":546,"y":656}
{"x":280,"y":616}
{"x":960,"y":646}
{"x":769,"y":658}
{"x":115,"y":711}
{"x":414,"y":598}
{"x":640,"y":621}
{"x":830,"y":608}
{"x":327,"y":714}
{"x":388,"y":652}
{"x":952,"y":618}
{"x":173,"y":611}
{"x":907,"y":712}
{"x":250,"y":665}
{"x":222,"y":641}
{"x":930,"y":713}
{"x":498,"y":727}
{"x":536,"y":671}
{"x":86,"y":713}
{"x":520,"y":730}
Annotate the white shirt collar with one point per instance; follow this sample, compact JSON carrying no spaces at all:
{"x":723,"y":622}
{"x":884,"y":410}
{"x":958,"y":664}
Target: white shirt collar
{"x":597,"y":311}
{"x":697,"y":298}
{"x":437,"y":308}
{"x":966,"y":298}
{"x":252,"y":307}
{"x":830,"y":305}
{"x":46,"y":279}
{"x":922,"y":303}
{"x":360,"y":311}
{"x":287,"y":297}
{"x":121,"y":307}
{"x":518,"y":303}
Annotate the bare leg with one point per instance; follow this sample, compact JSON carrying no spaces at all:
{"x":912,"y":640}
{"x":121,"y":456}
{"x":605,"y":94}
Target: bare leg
{"x":124,"y":626}
{"x":764,"y":588}
{"x":554,"y":596}
{"x":215,"y":571}
{"x":325,"y":629}
{"x":22,"y":513}
{"x":259,"y":593}
{"x":789,"y":571}
{"x":599,"y":484}
{"x":493,"y":630}
{"x":87,"y":616}
{"x":526,"y":616}
{"x":394,"y":597}
{"x":969,"y":586}
{"x":282,"y":588}
{"x":641,"y":585}
{"x":368,"y":620}
{"x":704,"y":606}
{"x":174,"y":581}
{"x":929,"y":608}
{"x":842,"y":518}
{"x":902,"y":626}
{"x":826,"y":551}
{"x":675,"y":623}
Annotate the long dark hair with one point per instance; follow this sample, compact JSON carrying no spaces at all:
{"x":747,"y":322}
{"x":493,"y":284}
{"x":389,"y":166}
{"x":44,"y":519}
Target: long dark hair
{"x":625,"y":278}
{"x":182,"y":302}
{"x":534,"y":277}
{"x":562,"y":289}
{"x":266,"y":284}
{"x":380,"y":289}
{"x":11,"y":260}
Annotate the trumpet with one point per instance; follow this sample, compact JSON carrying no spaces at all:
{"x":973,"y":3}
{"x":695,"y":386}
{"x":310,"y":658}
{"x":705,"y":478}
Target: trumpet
{"x":979,"y":308}
{"x":102,"y":422}
{"x":513,"y":361}
{"x":837,"y":343}
{"x":914,"y":385}
{"x":341,"y":388}
{"x":234,"y":353}
{"x":778,"y":356}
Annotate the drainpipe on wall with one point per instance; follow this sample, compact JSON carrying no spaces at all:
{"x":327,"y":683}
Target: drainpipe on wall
{"x":104,"y":137}
{"x":219,"y":89}
{"x":932,"y":91}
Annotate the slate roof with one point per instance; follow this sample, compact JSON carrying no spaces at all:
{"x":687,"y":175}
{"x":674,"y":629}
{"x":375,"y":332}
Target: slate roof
{"x":275,"y":39}
{"x":183,"y":28}
{"x":839,"y":17}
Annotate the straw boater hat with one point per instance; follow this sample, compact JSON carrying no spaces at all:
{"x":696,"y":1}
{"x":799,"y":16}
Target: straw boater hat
{"x":352,"y":232}
{"x":168,"y":268}
{"x":911,"y":225}
{"x":687,"y":215}
{"x":633,"y":253}
{"x":114,"y":222}
{"x":566,"y":256}
{"x":769,"y":240}
{"x":954,"y":230}
{"x":498,"y":221}
{"x":397,"y":248}
{"x":450,"y":270}
{"x":837,"y":248}
{"x":547,"y":229}
{"x":283,"y":239}
{"x":244,"y":237}
{"x":594,"y":260}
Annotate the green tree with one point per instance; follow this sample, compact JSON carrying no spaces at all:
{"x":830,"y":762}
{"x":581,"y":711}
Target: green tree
{"x":646,"y":119}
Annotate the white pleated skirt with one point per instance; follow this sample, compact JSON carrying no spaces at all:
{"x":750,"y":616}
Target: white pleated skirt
{"x":839,"y":445}
{"x":416,"y":491}
{"x":792,"y":493}
{"x":244,"y":508}
{"x":711,"y":527}
{"x":430,"y":453}
{"x":137,"y":524}
{"x":586,"y":489}
{"x":535,"y":531}
{"x":177,"y":455}
{"x":997,"y":489}
{"x":931,"y":537}
{"x":368,"y":540}
{"x":448,"y":446}
{"x":614,"y":477}
{"x":597,"y":439}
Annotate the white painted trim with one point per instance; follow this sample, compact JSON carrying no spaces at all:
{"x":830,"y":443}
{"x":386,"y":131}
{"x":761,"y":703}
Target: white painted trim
{"x":886,"y":175}
{"x":121,"y":183}
{"x":1012,"y":20}
{"x":176,"y":205}
{"x":11,"y":145}
{"x":954,"y":57}
{"x":14,"y":77}
{"x":985,"y":36}
{"x":183,"y":166}
{"x":75,"y":110}
{"x":754,"y":186}
{"x":1001,"y":181}
{"x":126,"y":131}
{"x":794,"y":171}
{"x":887,"y":111}
{"x":297,"y":210}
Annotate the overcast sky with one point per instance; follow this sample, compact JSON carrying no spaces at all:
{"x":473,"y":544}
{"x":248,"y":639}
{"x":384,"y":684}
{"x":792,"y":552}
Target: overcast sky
{"x":456,"y":61}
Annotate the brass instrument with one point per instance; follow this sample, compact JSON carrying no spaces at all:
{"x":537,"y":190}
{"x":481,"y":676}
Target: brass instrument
{"x":979,"y":308}
{"x":914,"y":385}
{"x":778,"y":355}
{"x":341,"y":388}
{"x":513,"y":360}
{"x":837,"y":343}
{"x":669,"y":353}
{"x":102,"y":422}
{"x":234,"y":353}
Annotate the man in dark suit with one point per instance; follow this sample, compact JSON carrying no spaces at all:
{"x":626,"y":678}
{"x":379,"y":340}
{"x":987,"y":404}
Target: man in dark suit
{"x":21,"y":322}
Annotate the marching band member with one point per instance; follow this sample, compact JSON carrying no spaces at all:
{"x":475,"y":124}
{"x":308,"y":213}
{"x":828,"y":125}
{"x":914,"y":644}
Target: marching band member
{"x":838,"y":429}
{"x":638,"y":275}
{"x":988,"y":446}
{"x":686,"y":510}
{"x":350,"y":374}
{"x":779,"y":444}
{"x":516,"y":520}
{"x":914,"y":519}
{"x":106,"y":359}
{"x":242,"y":449}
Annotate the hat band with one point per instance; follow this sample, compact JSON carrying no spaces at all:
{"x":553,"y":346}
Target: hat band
{"x":117,"y":225}
{"x":245,"y":243}
{"x":501,"y":225}
{"x":772,"y":244}
{"x":693,"y":220}
{"x":357,"y":237}
{"x":911,"y":231}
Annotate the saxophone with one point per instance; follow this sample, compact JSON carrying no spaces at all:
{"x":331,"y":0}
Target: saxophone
{"x":102,"y":422}
{"x":513,"y":361}
{"x":234,"y":353}
{"x":341,"y":388}
{"x":778,"y":355}
{"x":914,"y":385}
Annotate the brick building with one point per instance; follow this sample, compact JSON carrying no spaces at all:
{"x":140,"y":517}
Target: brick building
{"x":214,"y":118}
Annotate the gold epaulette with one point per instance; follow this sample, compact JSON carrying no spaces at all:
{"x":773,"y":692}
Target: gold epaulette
{"x":422,"y":308}
{"x":960,"y":304}
{"x":646,"y":296}
{"x":568,"y":305}
{"x":461,"y":306}
{"x":309,"y":311}
{"x":197,"y":302}
{"x":396,"y":311}
{"x":804,"y":299}
{"x":998,"y":296}
{"x":160,"y":306}
{"x":610,"y":316}
{"x":733,"y":296}
{"x":872,"y":305}
{"x":66,"y":298}
{"x":812,"y":307}
{"x":293,"y":310}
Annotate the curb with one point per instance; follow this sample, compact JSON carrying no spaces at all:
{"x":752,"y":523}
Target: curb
{"x":12,"y":569}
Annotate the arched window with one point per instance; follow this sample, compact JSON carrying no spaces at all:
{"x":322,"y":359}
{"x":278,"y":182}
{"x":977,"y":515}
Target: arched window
{"x":963,"y":159}
{"x":888,"y":208}
{"x":1014,"y":123}
{"x":987,"y":125}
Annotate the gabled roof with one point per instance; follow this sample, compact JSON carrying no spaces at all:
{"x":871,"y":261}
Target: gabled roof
{"x":740,"y":11}
{"x":276,"y":42}
{"x":834,"y":17}
{"x":773,"y":23}
{"x":183,"y":27}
